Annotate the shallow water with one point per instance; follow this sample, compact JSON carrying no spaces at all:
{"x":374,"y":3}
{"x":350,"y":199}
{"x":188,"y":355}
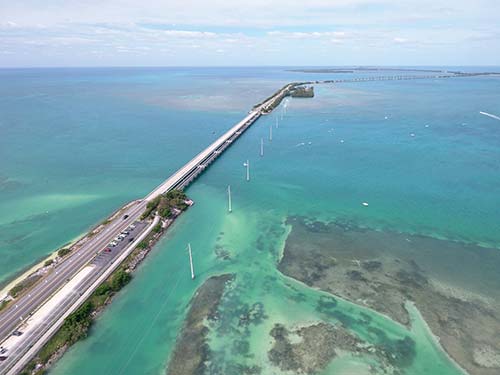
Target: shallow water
{"x":80,"y":155}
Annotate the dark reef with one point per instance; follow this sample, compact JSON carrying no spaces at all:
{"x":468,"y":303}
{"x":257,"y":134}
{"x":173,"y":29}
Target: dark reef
{"x":192,"y":351}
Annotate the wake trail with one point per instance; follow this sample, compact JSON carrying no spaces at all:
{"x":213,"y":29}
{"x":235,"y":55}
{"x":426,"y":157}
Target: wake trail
{"x":490,"y":115}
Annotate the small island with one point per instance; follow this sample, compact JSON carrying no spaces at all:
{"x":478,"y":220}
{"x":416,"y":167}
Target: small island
{"x":302,"y":92}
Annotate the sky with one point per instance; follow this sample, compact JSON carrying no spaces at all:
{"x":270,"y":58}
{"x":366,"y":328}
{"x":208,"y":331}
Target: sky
{"x":44,"y":33}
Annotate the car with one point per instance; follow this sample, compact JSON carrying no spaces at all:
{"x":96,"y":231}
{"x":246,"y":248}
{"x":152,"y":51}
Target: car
{"x":130,"y":239}
{"x":107,"y":250}
{"x":17,"y":333}
{"x":125,"y":232}
{"x":125,"y":217}
{"x":113,"y":243}
{"x":132,"y":226}
{"x":3,"y":350}
{"x":3,"y":358}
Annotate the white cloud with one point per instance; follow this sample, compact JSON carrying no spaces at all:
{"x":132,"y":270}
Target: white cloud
{"x":361,"y":29}
{"x":189,"y":34}
{"x":307,"y":35}
{"x":400,"y":40}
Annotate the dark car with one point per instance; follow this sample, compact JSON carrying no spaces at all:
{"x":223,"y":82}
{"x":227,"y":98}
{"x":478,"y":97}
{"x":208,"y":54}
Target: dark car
{"x":3,"y":358}
{"x":17,"y":333}
{"x":125,"y":217}
{"x":130,"y":239}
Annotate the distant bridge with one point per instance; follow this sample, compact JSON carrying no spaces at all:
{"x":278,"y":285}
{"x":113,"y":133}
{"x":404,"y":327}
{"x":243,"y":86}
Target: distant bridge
{"x":400,"y":78}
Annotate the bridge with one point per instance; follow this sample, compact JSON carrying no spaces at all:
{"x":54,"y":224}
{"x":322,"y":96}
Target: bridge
{"x":401,"y":77}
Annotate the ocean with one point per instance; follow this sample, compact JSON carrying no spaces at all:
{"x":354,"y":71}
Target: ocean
{"x":76,"y":144}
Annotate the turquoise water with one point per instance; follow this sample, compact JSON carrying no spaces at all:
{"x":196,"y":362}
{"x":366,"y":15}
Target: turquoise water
{"x":77,"y":144}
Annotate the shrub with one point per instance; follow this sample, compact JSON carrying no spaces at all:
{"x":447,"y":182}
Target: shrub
{"x":63,"y":252}
{"x":120,"y":279}
{"x":102,"y":289}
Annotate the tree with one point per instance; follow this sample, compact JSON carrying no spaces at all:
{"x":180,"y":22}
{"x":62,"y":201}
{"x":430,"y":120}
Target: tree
{"x":120,"y":279}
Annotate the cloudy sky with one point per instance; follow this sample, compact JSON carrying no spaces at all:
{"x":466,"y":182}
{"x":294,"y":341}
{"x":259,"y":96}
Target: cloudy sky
{"x":257,"y":32}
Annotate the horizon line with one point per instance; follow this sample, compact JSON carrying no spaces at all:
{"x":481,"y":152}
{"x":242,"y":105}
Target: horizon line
{"x":237,"y":66}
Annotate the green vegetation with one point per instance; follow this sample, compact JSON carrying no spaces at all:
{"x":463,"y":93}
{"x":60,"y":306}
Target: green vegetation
{"x":176,"y":198}
{"x":48,"y":262}
{"x":165,"y":212}
{"x":151,"y":207}
{"x":302,"y":92}
{"x":63,"y":252}
{"x":165,"y":204}
{"x":23,"y":285}
{"x":142,"y":245}
{"x":106,"y":222}
{"x":3,"y":304}
{"x":120,"y":279}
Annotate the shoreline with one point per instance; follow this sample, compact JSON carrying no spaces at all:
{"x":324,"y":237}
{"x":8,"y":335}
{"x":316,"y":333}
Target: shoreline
{"x":413,"y":309}
{"x":23,"y":275}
